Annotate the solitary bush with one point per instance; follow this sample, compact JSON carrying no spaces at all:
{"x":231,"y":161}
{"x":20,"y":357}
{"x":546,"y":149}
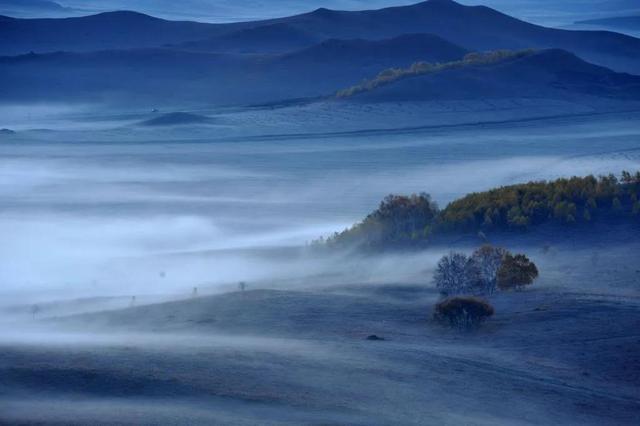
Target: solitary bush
{"x":463,"y":312}
{"x":516,"y":272}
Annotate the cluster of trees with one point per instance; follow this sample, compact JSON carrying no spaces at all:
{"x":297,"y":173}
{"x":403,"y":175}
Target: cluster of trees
{"x":398,"y":218}
{"x":565,"y":201}
{"x":421,"y":68}
{"x":488,"y":269}
{"x":416,"y":219}
{"x":461,"y":279}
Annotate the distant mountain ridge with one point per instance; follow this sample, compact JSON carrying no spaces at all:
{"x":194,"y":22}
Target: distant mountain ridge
{"x":31,"y":4}
{"x":110,"y":30}
{"x":474,"y":28}
{"x":33,"y":8}
{"x":126,"y":57}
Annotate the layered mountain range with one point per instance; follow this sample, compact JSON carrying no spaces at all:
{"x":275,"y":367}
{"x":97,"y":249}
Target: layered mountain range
{"x":127,"y":56}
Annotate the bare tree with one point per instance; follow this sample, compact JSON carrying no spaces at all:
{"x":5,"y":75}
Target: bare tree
{"x":487,"y":261}
{"x":452,"y":274}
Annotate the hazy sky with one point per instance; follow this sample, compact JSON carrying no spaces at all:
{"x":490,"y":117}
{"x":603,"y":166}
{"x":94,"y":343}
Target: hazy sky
{"x":547,"y":12}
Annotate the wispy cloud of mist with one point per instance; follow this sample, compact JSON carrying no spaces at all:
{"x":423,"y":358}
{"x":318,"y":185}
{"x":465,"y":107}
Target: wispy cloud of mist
{"x":143,"y":216}
{"x":66,"y":228}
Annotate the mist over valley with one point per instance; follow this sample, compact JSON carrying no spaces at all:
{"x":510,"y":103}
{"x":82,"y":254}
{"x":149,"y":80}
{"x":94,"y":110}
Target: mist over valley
{"x":239,"y":213}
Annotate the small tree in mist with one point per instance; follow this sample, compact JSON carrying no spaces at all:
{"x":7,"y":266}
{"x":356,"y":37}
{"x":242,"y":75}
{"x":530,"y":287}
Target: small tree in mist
{"x":463,"y":312}
{"x":454,"y":274}
{"x":516,"y":272}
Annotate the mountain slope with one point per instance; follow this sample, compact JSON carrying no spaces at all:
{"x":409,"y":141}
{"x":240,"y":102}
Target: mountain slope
{"x":122,"y":76}
{"x":270,"y":38}
{"x":397,"y":51}
{"x":152,"y":75}
{"x":547,"y":74}
{"x":475,"y":27}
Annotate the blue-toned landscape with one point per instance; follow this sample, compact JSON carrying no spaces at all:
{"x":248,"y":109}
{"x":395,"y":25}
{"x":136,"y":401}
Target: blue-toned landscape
{"x":321,"y":212}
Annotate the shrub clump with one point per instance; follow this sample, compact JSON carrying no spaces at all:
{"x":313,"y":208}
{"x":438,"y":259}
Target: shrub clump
{"x":516,"y":272}
{"x":463,"y":312}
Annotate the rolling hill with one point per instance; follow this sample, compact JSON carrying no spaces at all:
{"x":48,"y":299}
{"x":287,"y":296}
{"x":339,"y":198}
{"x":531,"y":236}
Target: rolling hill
{"x":176,"y":119}
{"x":110,"y":30}
{"x":153,"y":75}
{"x":270,"y":38}
{"x":397,"y":51}
{"x":121,"y":76}
{"x":550,"y":74}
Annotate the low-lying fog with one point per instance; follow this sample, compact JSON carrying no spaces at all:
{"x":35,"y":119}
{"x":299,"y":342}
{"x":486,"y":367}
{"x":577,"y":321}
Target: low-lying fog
{"x":139,"y":216}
